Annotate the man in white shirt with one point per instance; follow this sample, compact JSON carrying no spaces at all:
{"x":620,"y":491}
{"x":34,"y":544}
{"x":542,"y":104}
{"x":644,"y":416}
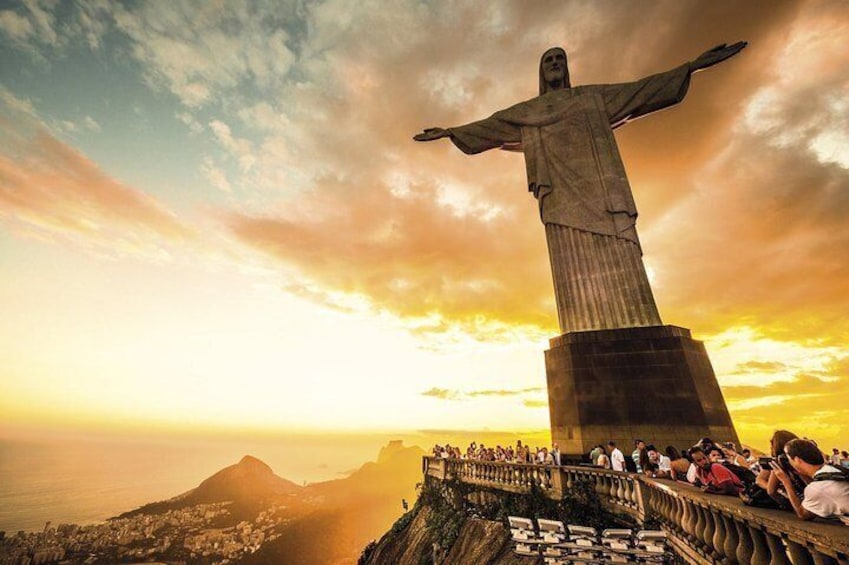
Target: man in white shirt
{"x":639,"y":447}
{"x":555,"y":453}
{"x":827,"y":495}
{"x":617,"y":458}
{"x":662,"y":463}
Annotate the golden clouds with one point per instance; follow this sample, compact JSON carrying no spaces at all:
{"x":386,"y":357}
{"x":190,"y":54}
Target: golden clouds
{"x":412,"y":256}
{"x":780,"y":384}
{"x":755,"y":234}
{"x":761,"y":242}
{"x":449,"y":394}
{"x":52,"y":189}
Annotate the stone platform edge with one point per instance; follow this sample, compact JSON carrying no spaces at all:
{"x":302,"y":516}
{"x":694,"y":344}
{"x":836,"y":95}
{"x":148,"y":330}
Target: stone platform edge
{"x":619,"y":334}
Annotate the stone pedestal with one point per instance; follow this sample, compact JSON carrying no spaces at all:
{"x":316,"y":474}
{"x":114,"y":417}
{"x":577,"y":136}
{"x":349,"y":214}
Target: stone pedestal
{"x":653,"y":383}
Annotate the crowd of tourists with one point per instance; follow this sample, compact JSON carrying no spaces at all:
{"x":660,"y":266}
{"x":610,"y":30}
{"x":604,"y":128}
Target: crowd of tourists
{"x":796,"y":476}
{"x":518,"y":454}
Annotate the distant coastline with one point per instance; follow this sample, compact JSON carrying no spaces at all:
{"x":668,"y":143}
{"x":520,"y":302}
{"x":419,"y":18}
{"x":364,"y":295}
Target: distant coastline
{"x":85,"y":481}
{"x":243,"y":514}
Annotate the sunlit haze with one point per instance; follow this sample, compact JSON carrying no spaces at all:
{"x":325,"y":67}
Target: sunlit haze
{"x":213,"y":217}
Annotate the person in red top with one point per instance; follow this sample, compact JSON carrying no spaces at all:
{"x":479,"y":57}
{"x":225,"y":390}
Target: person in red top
{"x":714,"y":477}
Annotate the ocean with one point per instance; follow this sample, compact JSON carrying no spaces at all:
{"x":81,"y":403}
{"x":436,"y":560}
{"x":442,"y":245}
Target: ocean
{"x":84,"y":480}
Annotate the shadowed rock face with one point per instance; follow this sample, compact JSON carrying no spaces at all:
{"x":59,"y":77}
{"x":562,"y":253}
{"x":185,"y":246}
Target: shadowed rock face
{"x":479,"y":541}
{"x":406,"y":546}
{"x":483,"y":541}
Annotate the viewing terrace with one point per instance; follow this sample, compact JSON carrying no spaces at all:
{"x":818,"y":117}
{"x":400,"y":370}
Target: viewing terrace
{"x":703,"y":529}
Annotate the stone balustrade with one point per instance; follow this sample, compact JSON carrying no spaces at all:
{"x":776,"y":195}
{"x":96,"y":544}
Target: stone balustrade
{"x":703,"y":529}
{"x":509,"y":476}
{"x":618,"y":492}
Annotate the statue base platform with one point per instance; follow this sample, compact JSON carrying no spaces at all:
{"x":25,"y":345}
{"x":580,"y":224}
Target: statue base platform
{"x":652,"y":383}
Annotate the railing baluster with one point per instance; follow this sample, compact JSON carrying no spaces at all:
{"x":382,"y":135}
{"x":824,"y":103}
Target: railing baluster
{"x":744,"y":545}
{"x":731,"y":541}
{"x":719,"y":536}
{"x":799,"y":554}
{"x":668,"y":507}
{"x":695,"y":527}
{"x":821,"y":558}
{"x":627,"y":488}
{"x":603,"y":486}
{"x":643,"y":500}
{"x":632,"y":484}
{"x":687,"y":520}
{"x":708,"y":531}
{"x":678,"y":516}
{"x":699,"y":526}
{"x":777,"y":550}
{"x":655,"y":501}
{"x":760,"y":554}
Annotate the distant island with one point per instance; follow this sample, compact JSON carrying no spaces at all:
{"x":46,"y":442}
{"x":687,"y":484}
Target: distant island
{"x":243,"y":514}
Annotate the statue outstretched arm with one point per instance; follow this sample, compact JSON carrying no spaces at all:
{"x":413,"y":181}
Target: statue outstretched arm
{"x":476,"y":137}
{"x":431,"y":134}
{"x":631,"y":100}
{"x":716,"y":55}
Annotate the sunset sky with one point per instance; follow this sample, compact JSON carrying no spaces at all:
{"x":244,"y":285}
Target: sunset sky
{"x":213,"y":216}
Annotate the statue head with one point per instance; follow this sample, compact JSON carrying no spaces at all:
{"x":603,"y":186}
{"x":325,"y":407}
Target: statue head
{"x":553,"y":70}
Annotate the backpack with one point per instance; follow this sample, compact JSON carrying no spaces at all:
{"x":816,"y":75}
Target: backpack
{"x":755,"y":496}
{"x":842,"y":475}
{"x":746,"y":476}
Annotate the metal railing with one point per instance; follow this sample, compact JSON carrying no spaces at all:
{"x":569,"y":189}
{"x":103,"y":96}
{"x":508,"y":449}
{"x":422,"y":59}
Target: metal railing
{"x":704,"y":529}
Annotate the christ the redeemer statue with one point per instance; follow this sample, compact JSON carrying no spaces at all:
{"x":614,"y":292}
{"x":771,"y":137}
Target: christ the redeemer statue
{"x":576,"y":174}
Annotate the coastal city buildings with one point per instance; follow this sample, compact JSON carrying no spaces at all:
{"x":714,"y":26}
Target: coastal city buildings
{"x":193,"y":534}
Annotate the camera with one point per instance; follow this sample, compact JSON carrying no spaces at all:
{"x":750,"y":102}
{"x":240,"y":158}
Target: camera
{"x":765,"y":461}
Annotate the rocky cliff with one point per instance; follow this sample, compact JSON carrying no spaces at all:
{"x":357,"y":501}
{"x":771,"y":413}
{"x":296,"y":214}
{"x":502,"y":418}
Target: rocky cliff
{"x":460,"y":524}
{"x":479,"y":542}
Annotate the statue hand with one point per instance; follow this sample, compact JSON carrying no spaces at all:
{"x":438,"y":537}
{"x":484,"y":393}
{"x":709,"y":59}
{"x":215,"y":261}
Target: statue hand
{"x":716,"y":55}
{"x":431,"y":133}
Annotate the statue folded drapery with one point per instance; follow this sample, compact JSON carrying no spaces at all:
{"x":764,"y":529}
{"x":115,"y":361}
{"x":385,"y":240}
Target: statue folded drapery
{"x":576,"y":173}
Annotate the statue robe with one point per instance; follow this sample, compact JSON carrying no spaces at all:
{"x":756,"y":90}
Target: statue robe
{"x":576,"y":173}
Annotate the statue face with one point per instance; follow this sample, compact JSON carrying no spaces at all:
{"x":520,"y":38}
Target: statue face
{"x":554,"y":66}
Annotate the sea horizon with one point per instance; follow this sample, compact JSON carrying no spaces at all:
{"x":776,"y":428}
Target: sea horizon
{"x":85,"y":480}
